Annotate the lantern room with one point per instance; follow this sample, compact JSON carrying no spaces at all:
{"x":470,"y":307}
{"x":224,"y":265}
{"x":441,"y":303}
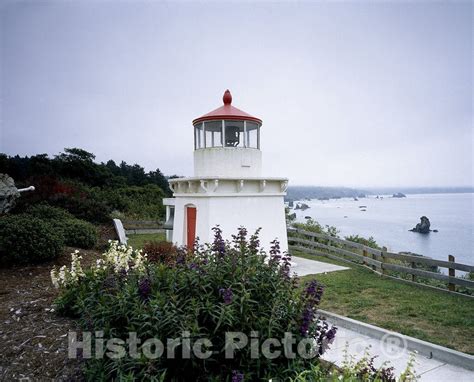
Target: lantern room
{"x":227,"y":142}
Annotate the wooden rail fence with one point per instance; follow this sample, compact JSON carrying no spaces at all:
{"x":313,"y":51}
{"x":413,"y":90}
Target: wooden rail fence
{"x":378,"y":260}
{"x":142,"y":226}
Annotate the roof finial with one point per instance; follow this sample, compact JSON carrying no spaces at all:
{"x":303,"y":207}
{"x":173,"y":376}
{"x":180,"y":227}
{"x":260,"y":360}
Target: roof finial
{"x":227,"y":98}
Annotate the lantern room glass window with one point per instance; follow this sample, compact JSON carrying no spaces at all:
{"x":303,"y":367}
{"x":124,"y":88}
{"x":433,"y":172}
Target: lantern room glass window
{"x":252,"y":138}
{"x":198,"y":136}
{"x":234,"y":134}
{"x":225,"y":133}
{"x":213,"y":133}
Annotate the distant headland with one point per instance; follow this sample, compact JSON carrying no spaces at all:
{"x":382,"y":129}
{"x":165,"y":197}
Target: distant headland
{"x":324,"y":193}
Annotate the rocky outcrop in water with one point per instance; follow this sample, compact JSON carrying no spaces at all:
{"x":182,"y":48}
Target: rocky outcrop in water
{"x":399,"y":195}
{"x":423,"y":226}
{"x":302,"y":206}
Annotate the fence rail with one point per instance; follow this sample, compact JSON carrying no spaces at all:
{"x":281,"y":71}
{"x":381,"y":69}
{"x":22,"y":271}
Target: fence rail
{"x":378,"y":260}
{"x":142,"y":226}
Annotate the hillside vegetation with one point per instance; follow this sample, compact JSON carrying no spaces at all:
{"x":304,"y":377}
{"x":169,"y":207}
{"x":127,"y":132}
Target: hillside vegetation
{"x":92,"y":191}
{"x":73,"y":196}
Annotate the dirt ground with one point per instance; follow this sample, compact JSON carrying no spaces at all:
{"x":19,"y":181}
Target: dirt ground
{"x":33,"y":337}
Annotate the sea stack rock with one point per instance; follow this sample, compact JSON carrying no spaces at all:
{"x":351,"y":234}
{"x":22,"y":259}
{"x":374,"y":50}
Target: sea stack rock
{"x":304,"y":206}
{"x":423,"y":226}
{"x":399,"y":195}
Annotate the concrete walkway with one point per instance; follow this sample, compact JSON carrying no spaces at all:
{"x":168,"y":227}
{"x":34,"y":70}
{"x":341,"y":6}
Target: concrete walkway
{"x":428,"y":369}
{"x":303,"y":267}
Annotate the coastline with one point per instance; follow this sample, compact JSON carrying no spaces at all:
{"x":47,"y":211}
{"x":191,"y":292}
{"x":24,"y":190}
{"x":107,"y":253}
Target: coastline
{"x":389,"y":220}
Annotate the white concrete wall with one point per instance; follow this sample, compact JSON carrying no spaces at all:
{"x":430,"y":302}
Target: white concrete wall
{"x":231,"y":212}
{"x":228,"y":162}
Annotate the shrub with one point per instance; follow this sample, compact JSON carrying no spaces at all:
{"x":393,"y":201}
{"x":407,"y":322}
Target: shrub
{"x":83,"y":206}
{"x":27,"y":239}
{"x":144,"y":202}
{"x":220,"y":288}
{"x":313,"y":226}
{"x":370,"y":242}
{"x":162,"y":252}
{"x":79,"y":233}
{"x":76,"y":232}
{"x":45,"y":211}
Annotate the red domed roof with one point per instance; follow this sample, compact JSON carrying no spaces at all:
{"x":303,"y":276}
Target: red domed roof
{"x":227,"y":111}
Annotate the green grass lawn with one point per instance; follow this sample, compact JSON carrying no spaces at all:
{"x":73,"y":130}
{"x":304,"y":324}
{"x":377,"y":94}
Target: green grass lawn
{"x":138,"y":241}
{"x":430,"y":315}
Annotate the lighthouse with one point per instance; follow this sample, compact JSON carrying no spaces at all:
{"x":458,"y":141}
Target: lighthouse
{"x":227,"y":188}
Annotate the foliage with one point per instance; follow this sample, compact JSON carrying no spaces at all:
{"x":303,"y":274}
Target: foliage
{"x":91,"y":191}
{"x":78,"y":164}
{"x":290,"y":217}
{"x":76,"y":232}
{"x":370,"y":242}
{"x":163,"y":252}
{"x":136,"y":202}
{"x":312,"y":225}
{"x":27,"y":239}
{"x":221,"y":287}
{"x":74,"y":197}
{"x":352,"y":371}
{"x":47,"y":212}
{"x":79,"y":233}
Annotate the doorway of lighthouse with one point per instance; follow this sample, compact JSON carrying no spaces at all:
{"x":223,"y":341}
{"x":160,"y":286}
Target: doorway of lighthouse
{"x":190,"y":226}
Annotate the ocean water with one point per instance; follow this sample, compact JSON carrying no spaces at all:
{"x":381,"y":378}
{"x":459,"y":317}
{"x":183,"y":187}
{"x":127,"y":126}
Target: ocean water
{"x":389,"y":219}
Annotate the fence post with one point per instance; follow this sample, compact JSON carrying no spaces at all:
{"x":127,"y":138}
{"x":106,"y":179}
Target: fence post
{"x":383,"y":258}
{"x":452,"y":273}
{"x":364,"y":253}
{"x":413,"y":266}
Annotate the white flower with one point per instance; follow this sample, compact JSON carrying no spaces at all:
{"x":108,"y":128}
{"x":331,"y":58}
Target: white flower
{"x":54,"y":278}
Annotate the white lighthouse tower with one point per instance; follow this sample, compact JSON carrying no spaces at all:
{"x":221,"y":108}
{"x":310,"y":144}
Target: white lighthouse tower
{"x":227,"y":188}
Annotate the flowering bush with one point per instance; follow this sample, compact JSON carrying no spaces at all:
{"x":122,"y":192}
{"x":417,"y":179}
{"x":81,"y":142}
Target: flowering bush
{"x":357,"y":370}
{"x":221,"y":288}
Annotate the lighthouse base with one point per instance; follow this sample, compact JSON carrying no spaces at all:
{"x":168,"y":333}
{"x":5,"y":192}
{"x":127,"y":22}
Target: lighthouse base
{"x":229,"y":203}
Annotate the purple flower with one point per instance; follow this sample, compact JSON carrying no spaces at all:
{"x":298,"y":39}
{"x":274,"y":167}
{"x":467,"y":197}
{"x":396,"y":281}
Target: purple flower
{"x":285,"y":266}
{"x":307,"y":319}
{"x":227,"y":295}
{"x":241,"y":238}
{"x":144,"y":288}
{"x":331,"y":334}
{"x":218,"y":245}
{"x":275,"y":256}
{"x":314,"y":292}
{"x":311,"y":296}
{"x":387,"y":375}
{"x":181,"y":256}
{"x":237,"y":376}
{"x":254,"y":242}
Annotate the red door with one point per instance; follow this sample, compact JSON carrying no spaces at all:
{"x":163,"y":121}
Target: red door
{"x":191,"y":229}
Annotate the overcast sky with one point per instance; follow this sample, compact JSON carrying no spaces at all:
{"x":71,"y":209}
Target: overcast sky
{"x":354,"y":93}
